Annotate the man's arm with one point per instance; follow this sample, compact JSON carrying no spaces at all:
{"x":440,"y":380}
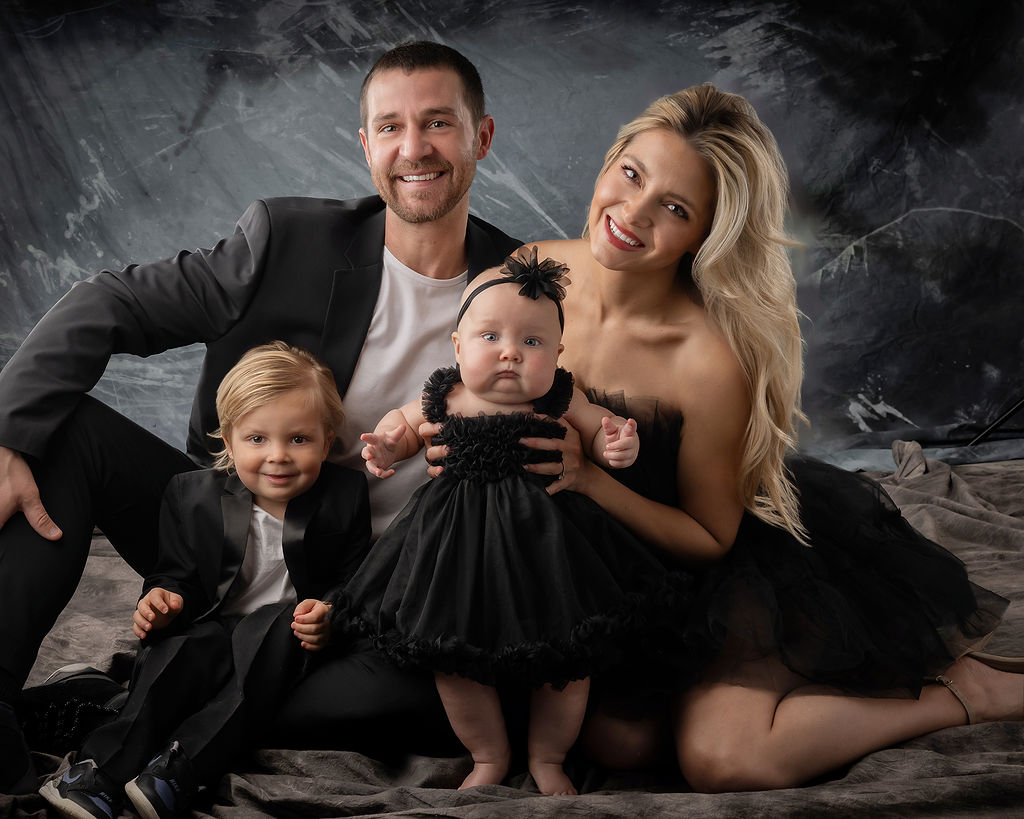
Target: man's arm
{"x":143,"y":309}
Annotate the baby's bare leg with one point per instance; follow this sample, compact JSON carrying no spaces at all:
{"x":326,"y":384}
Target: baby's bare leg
{"x":474,"y":711}
{"x":555,"y":720}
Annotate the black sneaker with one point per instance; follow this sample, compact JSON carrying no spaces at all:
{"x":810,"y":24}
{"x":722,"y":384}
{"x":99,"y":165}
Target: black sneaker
{"x":83,"y":791}
{"x":166,"y":787}
{"x":70,"y":704}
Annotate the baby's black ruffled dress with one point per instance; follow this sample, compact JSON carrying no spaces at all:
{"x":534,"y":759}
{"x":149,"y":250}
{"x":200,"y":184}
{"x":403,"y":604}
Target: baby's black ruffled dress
{"x":485,"y":575}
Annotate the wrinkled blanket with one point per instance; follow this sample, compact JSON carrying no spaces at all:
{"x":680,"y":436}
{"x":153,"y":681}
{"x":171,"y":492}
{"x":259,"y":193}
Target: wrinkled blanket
{"x":975,"y":510}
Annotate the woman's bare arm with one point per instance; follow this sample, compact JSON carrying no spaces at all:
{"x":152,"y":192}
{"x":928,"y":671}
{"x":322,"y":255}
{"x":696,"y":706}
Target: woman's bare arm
{"x":702,"y":529}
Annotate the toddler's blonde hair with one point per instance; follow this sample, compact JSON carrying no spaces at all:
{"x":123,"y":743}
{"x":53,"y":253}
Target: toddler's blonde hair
{"x":264,"y":374}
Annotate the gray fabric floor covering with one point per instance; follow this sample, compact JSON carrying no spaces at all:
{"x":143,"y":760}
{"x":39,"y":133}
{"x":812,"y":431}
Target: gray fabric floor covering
{"x":976,"y":510}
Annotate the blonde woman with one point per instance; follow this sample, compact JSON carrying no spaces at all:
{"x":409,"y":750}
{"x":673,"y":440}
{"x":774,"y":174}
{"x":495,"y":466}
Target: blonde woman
{"x":822,"y":615}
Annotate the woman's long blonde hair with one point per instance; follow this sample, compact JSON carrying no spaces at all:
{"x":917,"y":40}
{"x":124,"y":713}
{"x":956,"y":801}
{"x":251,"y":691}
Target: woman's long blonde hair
{"x":744,"y":277}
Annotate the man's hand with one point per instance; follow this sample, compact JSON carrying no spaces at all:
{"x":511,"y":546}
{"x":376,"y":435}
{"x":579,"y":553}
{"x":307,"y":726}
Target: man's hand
{"x":310,"y":624}
{"x":155,"y":611}
{"x":19,"y":493}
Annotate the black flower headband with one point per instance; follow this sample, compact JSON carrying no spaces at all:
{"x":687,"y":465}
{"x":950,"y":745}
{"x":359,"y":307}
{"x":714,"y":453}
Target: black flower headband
{"x":537,"y":279}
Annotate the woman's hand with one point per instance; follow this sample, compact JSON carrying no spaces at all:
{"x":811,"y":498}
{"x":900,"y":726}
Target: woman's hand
{"x":433,"y":454}
{"x":572,"y":471}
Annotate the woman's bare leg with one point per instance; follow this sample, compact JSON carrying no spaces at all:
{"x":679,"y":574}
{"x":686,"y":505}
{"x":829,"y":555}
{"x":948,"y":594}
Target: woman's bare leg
{"x":761,"y":726}
{"x":555,"y":720}
{"x":474,"y":711}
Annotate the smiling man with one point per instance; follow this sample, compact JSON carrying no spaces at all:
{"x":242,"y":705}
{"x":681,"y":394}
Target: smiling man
{"x":370,"y":285}
{"x":423,"y":131}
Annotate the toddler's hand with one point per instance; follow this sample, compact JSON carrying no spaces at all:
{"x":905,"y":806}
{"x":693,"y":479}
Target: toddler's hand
{"x":310,"y":624}
{"x":622,"y":444}
{"x":379,"y":452}
{"x":155,"y":611}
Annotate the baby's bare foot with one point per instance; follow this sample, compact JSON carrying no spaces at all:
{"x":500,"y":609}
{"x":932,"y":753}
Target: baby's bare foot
{"x":485,"y":773}
{"x":551,"y":779}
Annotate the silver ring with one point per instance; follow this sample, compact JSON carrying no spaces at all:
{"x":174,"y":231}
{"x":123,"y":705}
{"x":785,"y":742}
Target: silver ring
{"x":560,"y":474}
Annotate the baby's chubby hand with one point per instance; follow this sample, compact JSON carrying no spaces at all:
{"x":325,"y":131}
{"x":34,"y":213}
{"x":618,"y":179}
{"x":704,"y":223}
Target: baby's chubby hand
{"x":621,"y":442}
{"x":380,"y":450}
{"x":310,"y":624}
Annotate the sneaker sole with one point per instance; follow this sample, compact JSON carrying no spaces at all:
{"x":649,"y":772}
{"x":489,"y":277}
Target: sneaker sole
{"x":66,"y":807}
{"x":140,"y":802}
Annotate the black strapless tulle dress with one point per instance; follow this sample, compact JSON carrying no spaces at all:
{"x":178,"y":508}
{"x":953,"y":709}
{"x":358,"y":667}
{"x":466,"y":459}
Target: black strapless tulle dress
{"x":872,"y":606}
{"x":485,"y":575}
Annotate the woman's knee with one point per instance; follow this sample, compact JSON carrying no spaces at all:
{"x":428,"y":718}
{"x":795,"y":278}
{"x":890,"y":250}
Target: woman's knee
{"x":707,"y":764}
{"x":713,"y":763}
{"x":722,"y":728}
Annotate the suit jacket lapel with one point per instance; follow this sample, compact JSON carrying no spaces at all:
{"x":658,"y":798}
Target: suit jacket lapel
{"x":353,"y":297}
{"x":356,"y":287}
{"x":480,"y":249}
{"x":297,"y":517}
{"x":236,"y":511}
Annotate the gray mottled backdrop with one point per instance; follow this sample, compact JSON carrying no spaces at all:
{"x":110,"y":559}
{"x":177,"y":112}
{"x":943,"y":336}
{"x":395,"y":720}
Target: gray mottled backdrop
{"x":130,"y":130}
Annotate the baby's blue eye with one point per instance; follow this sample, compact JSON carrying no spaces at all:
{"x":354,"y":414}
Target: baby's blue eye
{"x":532,"y":342}
{"x":489,"y":336}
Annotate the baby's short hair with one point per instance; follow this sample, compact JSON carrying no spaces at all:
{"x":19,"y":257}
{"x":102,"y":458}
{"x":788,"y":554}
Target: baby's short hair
{"x":264,"y":374}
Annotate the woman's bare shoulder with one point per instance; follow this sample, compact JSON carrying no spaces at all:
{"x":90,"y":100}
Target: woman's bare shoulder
{"x":708,"y":371}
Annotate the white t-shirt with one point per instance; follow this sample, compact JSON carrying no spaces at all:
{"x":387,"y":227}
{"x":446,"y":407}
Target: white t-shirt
{"x":410,"y":336}
{"x":263,"y":577}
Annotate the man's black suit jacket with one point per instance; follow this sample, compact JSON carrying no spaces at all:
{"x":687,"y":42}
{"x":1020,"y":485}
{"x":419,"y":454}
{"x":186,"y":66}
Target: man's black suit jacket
{"x":303,"y":270}
{"x":204,"y":526}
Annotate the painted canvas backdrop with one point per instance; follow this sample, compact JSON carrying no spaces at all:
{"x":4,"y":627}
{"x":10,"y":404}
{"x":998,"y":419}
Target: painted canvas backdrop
{"x":131,"y":130}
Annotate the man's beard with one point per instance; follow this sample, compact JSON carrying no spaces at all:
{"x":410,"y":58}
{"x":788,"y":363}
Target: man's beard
{"x":405,"y":207}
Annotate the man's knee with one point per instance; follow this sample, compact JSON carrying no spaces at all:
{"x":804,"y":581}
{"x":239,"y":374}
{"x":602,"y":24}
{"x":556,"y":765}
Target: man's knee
{"x":363,"y":685}
{"x":358,"y":700}
{"x":104,"y":470}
